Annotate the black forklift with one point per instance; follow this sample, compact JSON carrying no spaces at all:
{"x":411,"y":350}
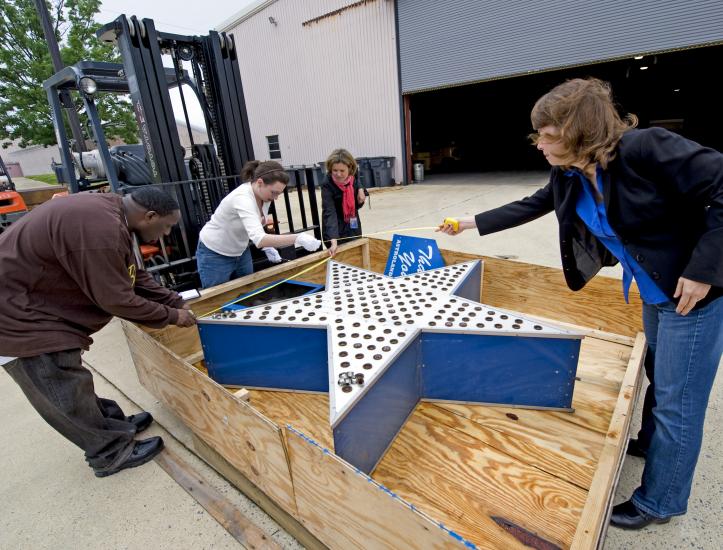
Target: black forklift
{"x":198,"y":163}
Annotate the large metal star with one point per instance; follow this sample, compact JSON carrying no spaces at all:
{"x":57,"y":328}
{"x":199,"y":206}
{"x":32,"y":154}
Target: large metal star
{"x":379,"y":344}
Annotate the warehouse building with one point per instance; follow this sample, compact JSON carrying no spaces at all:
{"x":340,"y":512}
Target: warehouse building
{"x":451,"y":84}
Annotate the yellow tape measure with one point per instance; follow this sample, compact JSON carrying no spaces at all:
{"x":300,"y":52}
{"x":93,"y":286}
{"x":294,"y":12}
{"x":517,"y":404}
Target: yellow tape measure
{"x":453,"y":222}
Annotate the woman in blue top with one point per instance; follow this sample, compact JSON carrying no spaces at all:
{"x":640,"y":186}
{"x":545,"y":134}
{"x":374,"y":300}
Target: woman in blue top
{"x":653,"y":201}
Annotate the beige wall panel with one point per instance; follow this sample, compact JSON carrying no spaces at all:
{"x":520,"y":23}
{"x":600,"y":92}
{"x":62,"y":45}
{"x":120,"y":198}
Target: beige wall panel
{"x":324,"y":84}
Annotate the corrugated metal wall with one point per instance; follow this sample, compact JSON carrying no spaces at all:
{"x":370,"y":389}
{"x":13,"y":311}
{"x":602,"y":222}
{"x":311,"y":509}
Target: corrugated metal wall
{"x":324,"y":84}
{"x":463,"y":41}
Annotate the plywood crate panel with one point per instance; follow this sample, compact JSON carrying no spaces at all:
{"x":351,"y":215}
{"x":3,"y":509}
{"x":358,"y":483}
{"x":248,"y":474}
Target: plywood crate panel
{"x":457,"y":475}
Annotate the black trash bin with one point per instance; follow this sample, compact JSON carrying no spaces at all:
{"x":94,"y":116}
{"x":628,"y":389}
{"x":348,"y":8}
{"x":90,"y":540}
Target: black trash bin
{"x":382,"y":171}
{"x":366,"y":176}
{"x":320,"y":172}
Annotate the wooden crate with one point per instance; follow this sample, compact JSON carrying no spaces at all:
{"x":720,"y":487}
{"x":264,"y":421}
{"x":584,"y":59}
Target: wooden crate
{"x":36,"y":196}
{"x":457,"y":475}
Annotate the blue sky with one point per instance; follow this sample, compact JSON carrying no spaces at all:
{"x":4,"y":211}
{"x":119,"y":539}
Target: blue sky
{"x":180,"y":17}
{"x":176,"y":16}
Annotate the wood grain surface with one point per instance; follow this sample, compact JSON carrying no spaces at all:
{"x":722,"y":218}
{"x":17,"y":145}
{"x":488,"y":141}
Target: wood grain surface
{"x":550,"y":446}
{"x":345,"y":509}
{"x":451,"y":474}
{"x":288,"y":522}
{"x":475,"y":469}
{"x":307,"y":412}
{"x":251,"y":442}
{"x":595,"y":517}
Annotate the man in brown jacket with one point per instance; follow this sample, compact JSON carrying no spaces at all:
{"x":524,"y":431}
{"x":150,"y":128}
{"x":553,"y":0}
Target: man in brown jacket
{"x":66,"y":269}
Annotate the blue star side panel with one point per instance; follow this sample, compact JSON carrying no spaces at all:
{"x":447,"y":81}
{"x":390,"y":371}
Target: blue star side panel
{"x":259,"y":357}
{"x":531,"y":372}
{"x":364,"y":434}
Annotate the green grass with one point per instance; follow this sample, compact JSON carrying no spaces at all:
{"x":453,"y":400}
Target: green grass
{"x":45,"y":178}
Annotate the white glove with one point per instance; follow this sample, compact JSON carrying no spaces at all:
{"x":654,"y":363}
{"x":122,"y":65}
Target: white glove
{"x":308,"y":242}
{"x":272,"y":254}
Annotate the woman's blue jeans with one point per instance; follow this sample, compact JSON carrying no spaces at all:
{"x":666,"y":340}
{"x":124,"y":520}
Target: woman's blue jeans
{"x":686,"y":351}
{"x":215,"y":268}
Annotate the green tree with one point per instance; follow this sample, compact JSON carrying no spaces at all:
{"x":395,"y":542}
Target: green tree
{"x":25,"y":63}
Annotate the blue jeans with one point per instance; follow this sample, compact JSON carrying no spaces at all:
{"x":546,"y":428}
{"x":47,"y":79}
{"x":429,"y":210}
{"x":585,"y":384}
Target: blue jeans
{"x":686,"y":352}
{"x":215,"y":268}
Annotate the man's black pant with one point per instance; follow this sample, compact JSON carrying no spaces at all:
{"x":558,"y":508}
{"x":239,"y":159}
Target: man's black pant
{"x":61,"y":389}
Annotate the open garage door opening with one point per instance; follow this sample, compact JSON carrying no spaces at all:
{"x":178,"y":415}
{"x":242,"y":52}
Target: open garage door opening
{"x":484,"y":127}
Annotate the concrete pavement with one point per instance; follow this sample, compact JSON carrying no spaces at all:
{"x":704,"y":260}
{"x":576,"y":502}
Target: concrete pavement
{"x":50,"y":499}
{"x":24,"y":184}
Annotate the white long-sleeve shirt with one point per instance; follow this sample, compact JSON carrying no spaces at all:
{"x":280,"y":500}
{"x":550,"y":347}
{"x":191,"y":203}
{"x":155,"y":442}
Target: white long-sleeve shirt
{"x":236,"y":221}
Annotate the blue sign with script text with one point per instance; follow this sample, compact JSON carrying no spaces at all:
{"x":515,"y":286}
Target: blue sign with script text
{"x":411,"y":255}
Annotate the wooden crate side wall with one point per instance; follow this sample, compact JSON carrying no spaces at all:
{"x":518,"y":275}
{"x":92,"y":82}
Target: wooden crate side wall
{"x":540,"y":290}
{"x":593,"y":522}
{"x":251,"y":443}
{"x":344,"y":508}
{"x":38,"y":195}
{"x":288,"y":522}
{"x":528,"y":288}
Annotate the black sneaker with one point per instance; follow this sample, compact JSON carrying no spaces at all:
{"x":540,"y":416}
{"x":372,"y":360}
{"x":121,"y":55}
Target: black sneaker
{"x":627,"y":516}
{"x":141,"y":420}
{"x":634,"y":449}
{"x":143,"y":451}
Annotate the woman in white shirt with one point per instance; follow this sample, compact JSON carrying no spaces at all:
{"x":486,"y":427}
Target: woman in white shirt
{"x":223,"y":247}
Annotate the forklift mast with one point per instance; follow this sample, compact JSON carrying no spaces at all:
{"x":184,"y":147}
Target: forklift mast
{"x":217,"y":78}
{"x":207,"y":67}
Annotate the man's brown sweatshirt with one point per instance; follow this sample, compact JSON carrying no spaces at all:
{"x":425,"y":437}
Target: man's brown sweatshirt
{"x":66,"y":269}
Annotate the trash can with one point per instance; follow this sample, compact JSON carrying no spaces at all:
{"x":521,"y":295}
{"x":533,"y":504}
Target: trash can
{"x":319,"y":172}
{"x":418,"y":172}
{"x":382,"y":170}
{"x":365,"y":172}
{"x":296,"y":173}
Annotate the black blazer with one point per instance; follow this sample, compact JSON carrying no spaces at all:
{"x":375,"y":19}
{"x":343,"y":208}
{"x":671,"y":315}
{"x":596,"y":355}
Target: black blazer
{"x":333,"y":225}
{"x":664,"y":199}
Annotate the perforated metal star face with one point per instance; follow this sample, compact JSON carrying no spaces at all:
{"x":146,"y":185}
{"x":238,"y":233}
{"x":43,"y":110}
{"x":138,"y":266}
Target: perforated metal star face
{"x":380,"y":344}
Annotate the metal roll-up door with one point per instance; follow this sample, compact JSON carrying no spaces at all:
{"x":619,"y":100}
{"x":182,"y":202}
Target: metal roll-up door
{"x":458,"y":42}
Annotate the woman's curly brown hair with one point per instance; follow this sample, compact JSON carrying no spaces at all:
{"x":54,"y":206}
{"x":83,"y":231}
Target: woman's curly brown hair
{"x":590,"y":126}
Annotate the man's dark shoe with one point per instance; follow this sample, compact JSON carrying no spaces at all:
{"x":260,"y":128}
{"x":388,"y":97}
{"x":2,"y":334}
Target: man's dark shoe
{"x":141,"y":420}
{"x":143,"y":451}
{"x":634,"y":449}
{"x":627,"y":516}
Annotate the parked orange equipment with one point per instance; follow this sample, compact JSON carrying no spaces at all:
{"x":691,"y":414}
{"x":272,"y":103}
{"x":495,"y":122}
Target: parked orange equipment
{"x":11,"y":202}
{"x":12,"y":206}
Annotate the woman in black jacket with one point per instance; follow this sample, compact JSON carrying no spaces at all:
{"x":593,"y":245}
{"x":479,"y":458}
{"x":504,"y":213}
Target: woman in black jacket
{"x":342,"y":194}
{"x":653,"y":201}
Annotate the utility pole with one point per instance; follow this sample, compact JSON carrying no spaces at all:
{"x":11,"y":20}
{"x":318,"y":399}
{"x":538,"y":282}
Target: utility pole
{"x":65,"y":98}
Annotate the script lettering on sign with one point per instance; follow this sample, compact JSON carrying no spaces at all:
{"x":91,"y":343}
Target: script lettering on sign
{"x":410,"y":255}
